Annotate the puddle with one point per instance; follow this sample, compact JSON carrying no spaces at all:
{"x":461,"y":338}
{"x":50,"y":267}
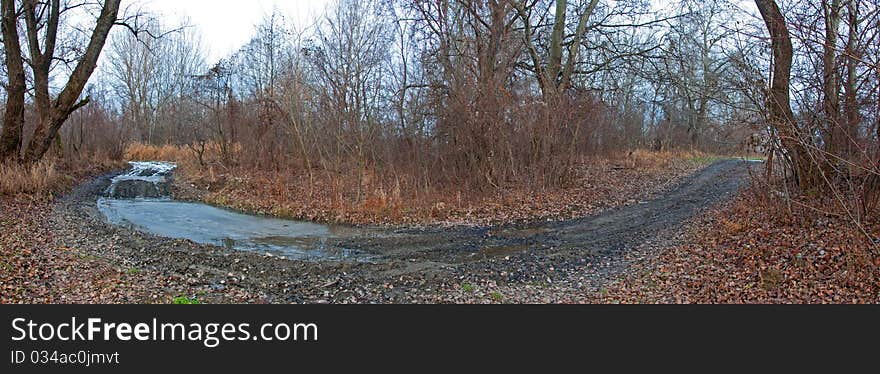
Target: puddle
{"x":206,"y":224}
{"x":210,"y":225}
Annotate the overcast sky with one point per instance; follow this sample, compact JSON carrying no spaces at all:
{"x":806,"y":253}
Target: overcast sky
{"x":227,"y":24}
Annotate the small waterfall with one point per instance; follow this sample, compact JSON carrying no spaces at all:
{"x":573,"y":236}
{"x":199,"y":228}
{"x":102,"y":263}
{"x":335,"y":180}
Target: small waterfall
{"x":140,"y":198}
{"x":142,"y":180}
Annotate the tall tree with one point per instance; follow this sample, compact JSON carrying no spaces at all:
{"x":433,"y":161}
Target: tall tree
{"x":779,"y":96}
{"x":52,"y":112}
{"x":694,"y":63}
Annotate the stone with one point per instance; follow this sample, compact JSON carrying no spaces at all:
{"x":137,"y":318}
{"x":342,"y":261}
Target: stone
{"x":143,"y":180}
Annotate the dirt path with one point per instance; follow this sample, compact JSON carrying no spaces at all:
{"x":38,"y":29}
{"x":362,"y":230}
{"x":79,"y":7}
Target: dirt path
{"x":413,"y":265}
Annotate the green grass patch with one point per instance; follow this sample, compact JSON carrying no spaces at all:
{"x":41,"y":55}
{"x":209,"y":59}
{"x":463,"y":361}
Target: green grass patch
{"x":497,"y":297}
{"x":467,"y":287}
{"x":185,"y":300}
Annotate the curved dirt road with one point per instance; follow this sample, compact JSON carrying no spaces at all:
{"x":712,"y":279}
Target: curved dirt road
{"x":606,"y":232}
{"x":413,"y":265}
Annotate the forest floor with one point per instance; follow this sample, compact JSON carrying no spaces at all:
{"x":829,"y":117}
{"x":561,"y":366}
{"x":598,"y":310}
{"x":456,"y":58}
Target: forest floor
{"x":753,"y":249}
{"x":661,"y":245}
{"x":36,"y":268}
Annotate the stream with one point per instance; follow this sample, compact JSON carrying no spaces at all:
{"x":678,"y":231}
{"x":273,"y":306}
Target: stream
{"x":140,"y":198}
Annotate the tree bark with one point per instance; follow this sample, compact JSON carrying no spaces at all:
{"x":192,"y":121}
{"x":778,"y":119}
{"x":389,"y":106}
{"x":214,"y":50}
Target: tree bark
{"x":528,"y":35}
{"x":41,"y":61}
{"x":13,"y":122}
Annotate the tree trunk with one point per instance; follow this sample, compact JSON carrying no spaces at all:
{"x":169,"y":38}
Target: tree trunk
{"x":830,"y":78}
{"x":575,"y":46}
{"x":68,"y":101}
{"x":851,"y":107}
{"x":13,"y":122}
{"x":779,"y":104}
{"x":553,"y":75}
{"x":554,"y":61}
{"x":41,"y":61}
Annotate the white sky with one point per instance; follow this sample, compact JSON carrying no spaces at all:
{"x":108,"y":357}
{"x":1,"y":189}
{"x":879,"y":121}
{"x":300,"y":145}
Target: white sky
{"x":226,"y":25}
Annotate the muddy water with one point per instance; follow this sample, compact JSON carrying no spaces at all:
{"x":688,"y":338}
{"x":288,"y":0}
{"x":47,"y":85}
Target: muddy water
{"x":210,"y":225}
{"x":138,"y":199}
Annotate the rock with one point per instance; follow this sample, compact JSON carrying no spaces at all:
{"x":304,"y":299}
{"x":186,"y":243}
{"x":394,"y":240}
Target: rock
{"x":135,"y":188}
{"x":142,"y":180}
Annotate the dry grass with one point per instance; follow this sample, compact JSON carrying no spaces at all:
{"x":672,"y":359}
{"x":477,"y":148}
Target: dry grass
{"x":644,"y":159}
{"x":53,"y":175}
{"x":42,"y":177}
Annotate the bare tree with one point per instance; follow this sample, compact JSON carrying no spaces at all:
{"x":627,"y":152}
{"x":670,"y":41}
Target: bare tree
{"x":52,"y":112}
{"x":262,"y":64}
{"x":151,"y":72}
{"x":133,"y":65}
{"x":852,"y":109}
{"x":216,"y":95}
{"x":349,"y":56}
{"x":778,"y":102}
{"x":555,"y":75}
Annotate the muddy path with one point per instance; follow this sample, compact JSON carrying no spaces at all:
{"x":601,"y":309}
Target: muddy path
{"x":411,"y":264}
